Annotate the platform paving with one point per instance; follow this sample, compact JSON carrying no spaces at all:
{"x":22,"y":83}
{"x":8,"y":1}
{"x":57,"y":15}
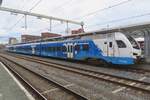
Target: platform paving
{"x":9,"y":87}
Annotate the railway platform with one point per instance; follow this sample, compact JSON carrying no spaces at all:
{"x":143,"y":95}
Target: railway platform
{"x":10,"y":87}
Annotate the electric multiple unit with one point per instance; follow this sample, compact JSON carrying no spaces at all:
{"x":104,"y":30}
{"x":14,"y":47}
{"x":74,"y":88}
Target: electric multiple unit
{"x":113,"y":48}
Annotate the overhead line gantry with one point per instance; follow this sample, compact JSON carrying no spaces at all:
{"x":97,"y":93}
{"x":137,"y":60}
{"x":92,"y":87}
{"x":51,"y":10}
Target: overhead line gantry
{"x":50,"y":18}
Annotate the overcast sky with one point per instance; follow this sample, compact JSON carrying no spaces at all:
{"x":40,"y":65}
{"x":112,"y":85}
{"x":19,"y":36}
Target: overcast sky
{"x":96,"y":14}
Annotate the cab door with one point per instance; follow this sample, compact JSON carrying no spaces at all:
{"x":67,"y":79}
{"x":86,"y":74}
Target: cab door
{"x":110,"y":45}
{"x":110,"y":49}
{"x":70,"y":50}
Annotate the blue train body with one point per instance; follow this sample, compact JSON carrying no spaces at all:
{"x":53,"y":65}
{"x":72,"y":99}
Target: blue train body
{"x":78,"y":49}
{"x":83,"y":50}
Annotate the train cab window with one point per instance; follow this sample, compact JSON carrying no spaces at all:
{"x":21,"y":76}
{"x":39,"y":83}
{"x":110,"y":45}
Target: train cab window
{"x":121,"y":44}
{"x":133,"y":42}
{"x":110,"y":44}
{"x":85,"y":47}
{"x":64,"y":49}
{"x":77,"y":47}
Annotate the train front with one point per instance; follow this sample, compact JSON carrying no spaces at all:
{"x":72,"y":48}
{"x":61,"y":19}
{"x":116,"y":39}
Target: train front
{"x":136,"y":50}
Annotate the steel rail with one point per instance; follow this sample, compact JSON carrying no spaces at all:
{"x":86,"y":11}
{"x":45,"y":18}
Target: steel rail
{"x":86,"y":70}
{"x":92,"y":74}
{"x":38,"y":94}
{"x":133,"y":69}
{"x":79,"y":96}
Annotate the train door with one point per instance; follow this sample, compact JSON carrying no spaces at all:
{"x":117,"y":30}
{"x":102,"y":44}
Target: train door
{"x":33,"y":49}
{"x":110,"y":46}
{"x":105,"y":48}
{"x":70,"y":50}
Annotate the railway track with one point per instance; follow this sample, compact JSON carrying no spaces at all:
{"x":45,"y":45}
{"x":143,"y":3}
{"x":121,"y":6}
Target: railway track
{"x":39,"y":95}
{"x":25,"y":82}
{"x":120,"y":68}
{"x":122,"y":81}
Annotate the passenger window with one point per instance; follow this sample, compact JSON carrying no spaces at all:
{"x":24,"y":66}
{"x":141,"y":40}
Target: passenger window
{"x":64,"y":49}
{"x":110,"y":44}
{"x":77,"y":47}
{"x":58,"y":48}
{"x":85,"y":47}
{"x":121,"y":44}
{"x":54,"y":49}
{"x":49,"y":49}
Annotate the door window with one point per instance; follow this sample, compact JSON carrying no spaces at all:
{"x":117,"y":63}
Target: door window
{"x":110,"y":44}
{"x":121,"y":44}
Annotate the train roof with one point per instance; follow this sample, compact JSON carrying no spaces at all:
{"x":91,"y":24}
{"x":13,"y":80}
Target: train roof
{"x":102,"y":31}
{"x":64,"y":37}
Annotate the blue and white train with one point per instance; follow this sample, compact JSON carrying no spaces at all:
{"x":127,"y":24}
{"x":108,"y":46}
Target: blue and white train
{"x":113,"y":48}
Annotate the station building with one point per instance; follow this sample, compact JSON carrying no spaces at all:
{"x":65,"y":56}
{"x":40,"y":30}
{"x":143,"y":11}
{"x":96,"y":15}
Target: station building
{"x":13,"y":40}
{"x":28,"y":38}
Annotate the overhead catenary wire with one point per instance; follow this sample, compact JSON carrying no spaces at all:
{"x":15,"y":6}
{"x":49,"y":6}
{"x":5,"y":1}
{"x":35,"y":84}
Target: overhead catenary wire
{"x":24,"y":16}
{"x":112,"y":6}
{"x":119,"y":20}
{"x":99,"y":10}
{"x":35,"y":5}
{"x":118,"y":4}
{"x":116,"y":20}
{"x":61,"y":5}
{"x":103,"y":9}
{"x":24,"y":4}
{"x":69,"y":21}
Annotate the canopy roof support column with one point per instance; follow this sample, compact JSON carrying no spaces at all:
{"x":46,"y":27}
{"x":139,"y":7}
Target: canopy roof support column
{"x":147,"y":46}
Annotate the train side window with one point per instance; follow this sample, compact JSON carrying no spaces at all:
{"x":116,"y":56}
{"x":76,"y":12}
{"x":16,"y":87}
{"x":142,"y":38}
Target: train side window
{"x":85,"y":47}
{"x":54,"y":49}
{"x":105,"y":42}
{"x":110,"y":44}
{"x":58,"y":48}
{"x":121,"y":44}
{"x":64,"y":49}
{"x":49,"y":49}
{"x":77,"y":47}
